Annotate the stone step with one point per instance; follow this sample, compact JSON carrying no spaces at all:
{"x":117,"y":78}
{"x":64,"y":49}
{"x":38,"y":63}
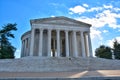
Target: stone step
{"x":37,"y":64}
{"x":84,"y":78}
{"x":51,"y":64}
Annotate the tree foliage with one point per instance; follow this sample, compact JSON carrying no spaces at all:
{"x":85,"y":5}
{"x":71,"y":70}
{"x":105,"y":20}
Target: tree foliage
{"x":116,"y":49}
{"x":103,"y":52}
{"x":6,"y":49}
{"x":106,"y":52}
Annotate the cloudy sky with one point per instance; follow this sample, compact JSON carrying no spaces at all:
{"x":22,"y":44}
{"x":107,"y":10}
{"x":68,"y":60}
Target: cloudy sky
{"x":104,"y":15}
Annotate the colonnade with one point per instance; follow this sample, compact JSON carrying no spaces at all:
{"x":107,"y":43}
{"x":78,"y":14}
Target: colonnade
{"x":25,"y":47}
{"x":86,"y":49}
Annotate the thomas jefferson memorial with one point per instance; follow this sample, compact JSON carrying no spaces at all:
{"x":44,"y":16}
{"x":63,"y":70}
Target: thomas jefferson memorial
{"x":57,"y":37}
{"x":56,"y":45}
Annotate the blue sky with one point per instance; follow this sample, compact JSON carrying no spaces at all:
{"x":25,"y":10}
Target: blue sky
{"x":104,"y":15}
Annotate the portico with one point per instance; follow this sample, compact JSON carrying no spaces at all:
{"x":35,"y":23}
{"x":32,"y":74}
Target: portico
{"x":57,"y":37}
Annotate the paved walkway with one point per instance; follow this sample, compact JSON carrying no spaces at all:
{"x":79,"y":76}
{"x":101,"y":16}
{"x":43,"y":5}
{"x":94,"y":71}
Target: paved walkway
{"x":97,"y":73}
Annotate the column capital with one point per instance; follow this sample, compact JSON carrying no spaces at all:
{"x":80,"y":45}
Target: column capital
{"x":49,"y":29}
{"x":81,"y":31}
{"x":66,"y":30}
{"x":58,"y":30}
{"x":41,"y":29}
{"x":74,"y":30}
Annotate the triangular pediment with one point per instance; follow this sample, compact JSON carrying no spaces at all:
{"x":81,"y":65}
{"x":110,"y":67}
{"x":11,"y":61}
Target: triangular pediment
{"x":58,"y":21}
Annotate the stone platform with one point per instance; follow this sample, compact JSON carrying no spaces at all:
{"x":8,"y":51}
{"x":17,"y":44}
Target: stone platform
{"x":46,"y":68}
{"x":53,"y":64}
{"x":78,"y":75}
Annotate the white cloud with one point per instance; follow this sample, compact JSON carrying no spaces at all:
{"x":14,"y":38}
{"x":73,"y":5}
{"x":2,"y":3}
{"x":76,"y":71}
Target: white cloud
{"x":106,"y":17}
{"x":117,"y":9}
{"x":96,"y":22}
{"x":52,"y":16}
{"x":107,"y":6}
{"x":105,"y":31}
{"x":110,"y":43}
{"x":81,"y":9}
{"x":118,"y":39}
{"x":85,"y":5}
{"x":96,"y":34}
{"x":94,"y":9}
{"x":109,"y":18}
{"x":78,"y":9}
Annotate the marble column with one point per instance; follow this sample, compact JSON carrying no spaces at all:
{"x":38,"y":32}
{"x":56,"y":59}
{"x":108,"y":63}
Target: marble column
{"x":90,"y":46}
{"x":32,"y":42}
{"x":25,"y":53}
{"x":86,"y":45}
{"x":75,"y":53}
{"x":22,"y":50}
{"x":66,"y":43}
{"x":58,"y":43}
{"x":49,"y":42}
{"x":82,"y":43}
{"x":40,"y":42}
{"x":28,"y":46}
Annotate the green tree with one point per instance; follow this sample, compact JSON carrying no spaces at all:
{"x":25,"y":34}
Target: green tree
{"x":6,"y":49}
{"x":116,"y":49}
{"x":103,"y":52}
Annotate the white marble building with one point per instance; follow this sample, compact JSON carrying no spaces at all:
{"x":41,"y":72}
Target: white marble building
{"x":57,"y":37}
